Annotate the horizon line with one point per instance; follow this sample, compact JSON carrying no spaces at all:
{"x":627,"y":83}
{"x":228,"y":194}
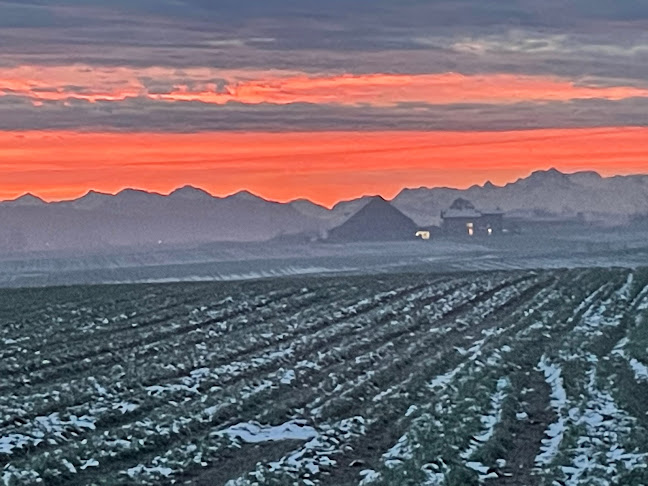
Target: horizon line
{"x":289,"y":201}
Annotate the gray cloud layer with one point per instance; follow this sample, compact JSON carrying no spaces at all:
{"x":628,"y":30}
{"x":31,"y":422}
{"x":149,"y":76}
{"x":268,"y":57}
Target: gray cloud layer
{"x":605,"y":40}
{"x":142,"y":114}
{"x":578,"y":38}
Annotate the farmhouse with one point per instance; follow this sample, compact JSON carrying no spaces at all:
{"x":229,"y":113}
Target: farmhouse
{"x":463,"y":219}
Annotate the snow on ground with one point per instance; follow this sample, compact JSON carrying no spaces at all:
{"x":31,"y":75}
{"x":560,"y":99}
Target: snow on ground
{"x":640,"y":370}
{"x":287,"y":377}
{"x":287,"y":271}
{"x":434,"y":475}
{"x":369,"y":476}
{"x":555,"y":431}
{"x":125,"y":407}
{"x":324,"y":444}
{"x":12,"y":475}
{"x":401,"y":451}
{"x":318,"y":452}
{"x":13,"y":442}
{"x":192,"y":382}
{"x":43,"y":428}
{"x":602,"y":426}
{"x":442,"y":381}
{"x":276,"y":366}
{"x":490,"y":420}
{"x":142,"y":470}
{"x":601,"y":449}
{"x":253,"y":432}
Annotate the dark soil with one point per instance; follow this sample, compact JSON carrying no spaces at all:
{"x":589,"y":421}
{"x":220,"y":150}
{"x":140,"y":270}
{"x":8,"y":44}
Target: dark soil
{"x":527,"y":435}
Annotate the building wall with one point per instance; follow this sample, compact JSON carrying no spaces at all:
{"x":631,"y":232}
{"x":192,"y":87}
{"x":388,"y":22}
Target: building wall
{"x":493,"y":221}
{"x":458,"y":226}
{"x":480,"y":225}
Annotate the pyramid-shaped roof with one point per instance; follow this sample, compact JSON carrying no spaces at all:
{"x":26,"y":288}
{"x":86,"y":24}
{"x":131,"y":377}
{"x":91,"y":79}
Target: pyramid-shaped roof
{"x":378,"y":220}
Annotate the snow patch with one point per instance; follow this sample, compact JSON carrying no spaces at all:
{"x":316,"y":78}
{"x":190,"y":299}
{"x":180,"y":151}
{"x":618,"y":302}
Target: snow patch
{"x":369,"y":476}
{"x":254,"y":433}
{"x":400,"y":452}
{"x":288,"y":377}
{"x":555,"y":431}
{"x":142,"y":470}
{"x":600,"y":449}
{"x":640,"y":370}
{"x":489,"y":422}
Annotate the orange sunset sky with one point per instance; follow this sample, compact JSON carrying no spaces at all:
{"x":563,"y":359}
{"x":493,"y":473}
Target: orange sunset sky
{"x":311,"y":104}
{"x":323,"y":166}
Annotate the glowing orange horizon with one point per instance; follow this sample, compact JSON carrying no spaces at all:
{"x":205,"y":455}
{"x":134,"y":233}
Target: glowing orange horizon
{"x":325,"y":167}
{"x":79,"y":82}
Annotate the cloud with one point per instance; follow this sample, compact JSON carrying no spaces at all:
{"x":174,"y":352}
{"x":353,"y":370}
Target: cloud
{"x":146,"y":115}
{"x":573,"y":38}
{"x":207,"y":85}
{"x":370,"y":64}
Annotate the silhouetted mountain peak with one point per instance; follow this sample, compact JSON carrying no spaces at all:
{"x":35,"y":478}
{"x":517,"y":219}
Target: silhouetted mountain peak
{"x":246,"y":195}
{"x":90,"y":200}
{"x":303,"y":201}
{"x":94,"y":195}
{"x":549,"y":174}
{"x":135,"y":193}
{"x":543,"y":178}
{"x":26,"y":200}
{"x":378,"y":201}
{"x":190,"y":192}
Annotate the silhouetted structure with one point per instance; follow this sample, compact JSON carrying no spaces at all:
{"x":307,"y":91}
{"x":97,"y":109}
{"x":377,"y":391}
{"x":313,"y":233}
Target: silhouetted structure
{"x":378,"y":220}
{"x":463,"y":219}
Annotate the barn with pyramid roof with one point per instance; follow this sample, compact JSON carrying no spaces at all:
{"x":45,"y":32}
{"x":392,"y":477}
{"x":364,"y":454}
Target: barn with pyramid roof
{"x":378,"y":220}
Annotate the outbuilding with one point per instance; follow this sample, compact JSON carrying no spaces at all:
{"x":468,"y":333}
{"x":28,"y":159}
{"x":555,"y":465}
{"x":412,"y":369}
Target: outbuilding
{"x":463,"y":219}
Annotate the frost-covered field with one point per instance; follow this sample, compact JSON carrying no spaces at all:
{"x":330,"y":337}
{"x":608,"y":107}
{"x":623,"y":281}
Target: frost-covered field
{"x":509,"y":378}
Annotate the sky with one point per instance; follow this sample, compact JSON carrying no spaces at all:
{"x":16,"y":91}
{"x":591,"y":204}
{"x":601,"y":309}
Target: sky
{"x":324,"y":100}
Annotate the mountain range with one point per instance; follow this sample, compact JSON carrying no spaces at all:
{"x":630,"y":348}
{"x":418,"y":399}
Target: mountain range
{"x":544,"y":194}
{"x":190,"y":215}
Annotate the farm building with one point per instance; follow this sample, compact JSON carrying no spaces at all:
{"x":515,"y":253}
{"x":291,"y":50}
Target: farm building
{"x":463,"y":219}
{"x":377,"y":221}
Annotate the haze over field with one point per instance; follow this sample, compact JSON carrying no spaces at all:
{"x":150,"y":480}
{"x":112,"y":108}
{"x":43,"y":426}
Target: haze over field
{"x":190,"y":215}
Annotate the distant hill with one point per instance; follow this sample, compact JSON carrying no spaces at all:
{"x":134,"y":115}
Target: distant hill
{"x":135,"y":218}
{"x":27,"y":200}
{"x":377,"y":220}
{"x":191,"y":215}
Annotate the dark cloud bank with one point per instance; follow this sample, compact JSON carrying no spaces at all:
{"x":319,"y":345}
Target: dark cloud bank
{"x":579,"y":40}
